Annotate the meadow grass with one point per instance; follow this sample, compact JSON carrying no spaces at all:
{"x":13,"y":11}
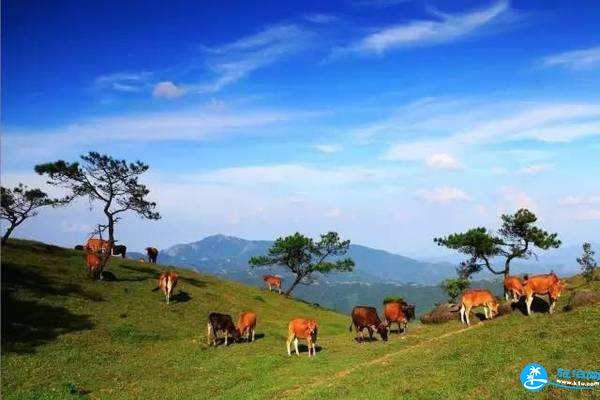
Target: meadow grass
{"x":66,"y":336}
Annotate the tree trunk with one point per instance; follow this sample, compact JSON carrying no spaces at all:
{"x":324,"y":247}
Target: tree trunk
{"x":7,"y":234}
{"x":296,"y":281}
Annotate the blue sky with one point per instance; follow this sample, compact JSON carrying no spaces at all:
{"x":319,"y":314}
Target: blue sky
{"x":389,"y":121}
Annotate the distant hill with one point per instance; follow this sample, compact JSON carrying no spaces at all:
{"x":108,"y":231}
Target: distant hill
{"x":229,"y":255}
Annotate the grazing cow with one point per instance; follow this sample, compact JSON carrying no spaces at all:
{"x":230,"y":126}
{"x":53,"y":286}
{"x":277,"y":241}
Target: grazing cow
{"x":119,"y":250}
{"x":477,"y":297}
{"x":79,"y":247}
{"x":167,"y":281}
{"x":247,"y":324}
{"x":273,"y":281}
{"x":98,"y":246}
{"x":152,"y":254}
{"x":396,"y":312}
{"x":220,"y":323}
{"x":366,"y":317}
{"x":302,"y":329}
{"x":513,"y":287}
{"x":542,"y":284}
{"x":142,"y":260}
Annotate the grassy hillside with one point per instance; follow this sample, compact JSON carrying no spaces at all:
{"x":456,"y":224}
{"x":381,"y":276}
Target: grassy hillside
{"x":64,"y":336}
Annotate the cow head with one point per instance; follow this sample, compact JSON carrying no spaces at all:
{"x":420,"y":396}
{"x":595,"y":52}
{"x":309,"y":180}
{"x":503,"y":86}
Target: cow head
{"x":494,"y":308}
{"x":409,"y":311}
{"x":556,"y":289}
{"x":382,"y":329}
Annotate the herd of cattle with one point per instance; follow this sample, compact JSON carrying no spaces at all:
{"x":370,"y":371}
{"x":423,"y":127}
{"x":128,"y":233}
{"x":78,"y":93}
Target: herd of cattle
{"x":98,"y":251}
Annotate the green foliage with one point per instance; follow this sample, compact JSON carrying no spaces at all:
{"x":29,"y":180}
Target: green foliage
{"x":20,"y":203}
{"x":517,"y":237}
{"x":587,"y":262}
{"x":303,"y":256}
{"x":393,"y":299}
{"x":114,"y":183}
{"x":454,"y":287}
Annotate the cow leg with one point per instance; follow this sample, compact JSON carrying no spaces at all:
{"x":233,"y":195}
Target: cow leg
{"x":296,"y":346}
{"x":462,"y":314}
{"x":529,"y":301}
{"x":485,"y":312}
{"x":552,"y":304}
{"x":467,"y":312}
{"x":226,"y":337}
{"x":253,"y":331}
{"x":268,"y":284}
{"x":279,"y":287}
{"x":506,"y":294}
{"x":370,"y":333}
{"x":209,"y":333}
{"x":288,"y":345}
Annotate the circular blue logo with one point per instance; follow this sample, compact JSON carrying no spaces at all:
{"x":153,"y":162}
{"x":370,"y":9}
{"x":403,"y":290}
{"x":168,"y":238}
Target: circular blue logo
{"x":534,"y":377}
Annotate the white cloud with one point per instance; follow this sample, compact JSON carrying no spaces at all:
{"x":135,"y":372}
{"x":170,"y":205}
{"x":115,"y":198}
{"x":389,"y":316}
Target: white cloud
{"x":123,"y":81}
{"x":445,"y":28}
{"x":578,"y":60}
{"x":535,"y":169}
{"x":333,"y":213}
{"x":321,"y":18}
{"x":233,"y":61}
{"x":590,"y":214}
{"x":444,"y":195}
{"x":167,"y":90}
{"x":328,"y":148}
{"x":579,"y":200}
{"x":515,"y":198}
{"x":442,"y":161}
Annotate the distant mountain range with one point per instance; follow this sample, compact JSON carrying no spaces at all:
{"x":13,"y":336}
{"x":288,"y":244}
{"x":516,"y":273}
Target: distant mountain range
{"x":377,"y":273}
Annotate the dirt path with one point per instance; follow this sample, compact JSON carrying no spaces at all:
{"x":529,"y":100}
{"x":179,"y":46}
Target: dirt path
{"x":382,"y":359}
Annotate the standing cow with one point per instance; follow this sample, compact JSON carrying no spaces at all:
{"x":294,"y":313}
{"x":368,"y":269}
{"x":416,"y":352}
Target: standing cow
{"x":366,"y":317}
{"x":300,"y":328}
{"x":273,"y":281}
{"x":247,"y":324}
{"x":167,"y":281}
{"x":513,"y":288}
{"x":542,"y":284}
{"x":97,"y":253}
{"x":152,"y":254}
{"x":119,"y":250}
{"x":220,"y":324}
{"x":475,"y":298}
{"x":398,"y":312}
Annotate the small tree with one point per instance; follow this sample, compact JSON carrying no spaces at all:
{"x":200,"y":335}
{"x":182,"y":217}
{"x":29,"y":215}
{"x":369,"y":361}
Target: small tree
{"x":587,"y":262}
{"x":454,"y":287}
{"x":113,"y":183}
{"x":303,"y":256}
{"x":20,"y":203}
{"x":517,"y":237}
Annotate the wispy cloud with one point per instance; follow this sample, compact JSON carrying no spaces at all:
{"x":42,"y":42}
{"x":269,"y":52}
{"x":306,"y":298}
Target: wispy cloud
{"x":577,"y":60}
{"x":376,"y":3}
{"x":167,"y":90}
{"x":124,"y":81}
{"x":579,"y":200}
{"x":444,"y":28}
{"x":535,"y":169}
{"x":233,"y":61}
{"x":444,"y":195}
{"x":442,"y":161}
{"x":321,"y":18}
{"x":328,"y":148}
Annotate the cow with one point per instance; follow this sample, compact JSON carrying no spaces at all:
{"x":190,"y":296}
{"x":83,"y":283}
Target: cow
{"x":398,"y":313}
{"x":98,"y":246}
{"x":220,"y":323}
{"x":366,"y":317}
{"x":94,"y":264}
{"x":477,"y":297}
{"x":273,"y":281}
{"x":542,"y":284}
{"x":167,"y":281}
{"x":513,"y":288}
{"x":142,"y":260}
{"x":152,"y":254}
{"x":119,"y":250}
{"x":300,"y":328}
{"x":247,"y":324}
{"x":79,"y":247}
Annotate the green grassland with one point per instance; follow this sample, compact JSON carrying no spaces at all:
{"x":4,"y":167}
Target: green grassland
{"x":65,"y":336}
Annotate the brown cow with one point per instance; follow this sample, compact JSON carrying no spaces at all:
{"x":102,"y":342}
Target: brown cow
{"x":394,"y":312}
{"x":94,"y":264}
{"x":513,"y":287}
{"x":98,"y":246}
{"x":477,"y":297}
{"x":273,"y":281}
{"x":247,"y":324}
{"x":366,"y":317}
{"x":542,"y":284}
{"x":302,"y":329}
{"x":152,"y":254}
{"x":167,"y":281}
{"x":97,"y":256}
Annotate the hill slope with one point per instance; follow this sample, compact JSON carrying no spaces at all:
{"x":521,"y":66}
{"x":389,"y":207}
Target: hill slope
{"x":63,"y":333}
